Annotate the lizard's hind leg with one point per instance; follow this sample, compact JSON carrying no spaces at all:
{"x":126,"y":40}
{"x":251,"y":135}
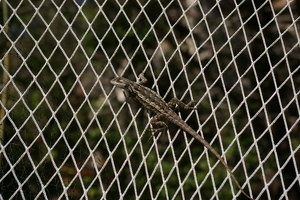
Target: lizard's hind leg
{"x":173,"y":102}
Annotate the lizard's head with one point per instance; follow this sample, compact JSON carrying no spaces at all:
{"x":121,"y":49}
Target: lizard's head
{"x":120,"y":82}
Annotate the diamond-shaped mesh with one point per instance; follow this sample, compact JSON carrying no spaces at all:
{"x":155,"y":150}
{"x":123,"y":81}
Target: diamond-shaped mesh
{"x":67,"y":133}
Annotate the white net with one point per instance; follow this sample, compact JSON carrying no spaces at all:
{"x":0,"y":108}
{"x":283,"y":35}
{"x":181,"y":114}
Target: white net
{"x":67,"y":133}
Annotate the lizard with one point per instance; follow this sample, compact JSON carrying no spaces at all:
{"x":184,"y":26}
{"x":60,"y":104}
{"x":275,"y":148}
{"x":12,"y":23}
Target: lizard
{"x":163,"y":110}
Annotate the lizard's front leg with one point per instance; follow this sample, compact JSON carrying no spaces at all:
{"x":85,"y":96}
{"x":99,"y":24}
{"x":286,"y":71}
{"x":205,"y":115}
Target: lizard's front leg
{"x":142,"y":78}
{"x":158,"y":124}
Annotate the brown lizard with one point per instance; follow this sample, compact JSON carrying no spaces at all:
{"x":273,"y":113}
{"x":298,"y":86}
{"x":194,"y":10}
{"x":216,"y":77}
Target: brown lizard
{"x":155,"y":103}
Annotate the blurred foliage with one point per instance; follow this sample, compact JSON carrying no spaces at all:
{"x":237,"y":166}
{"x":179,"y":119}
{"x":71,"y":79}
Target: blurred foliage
{"x":237,"y":59}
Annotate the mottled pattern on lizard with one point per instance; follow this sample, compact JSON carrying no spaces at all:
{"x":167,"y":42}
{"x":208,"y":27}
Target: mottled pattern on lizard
{"x":155,"y":103}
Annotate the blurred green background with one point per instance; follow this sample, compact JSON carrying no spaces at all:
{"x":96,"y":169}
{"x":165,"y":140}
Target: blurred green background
{"x":67,"y":134}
